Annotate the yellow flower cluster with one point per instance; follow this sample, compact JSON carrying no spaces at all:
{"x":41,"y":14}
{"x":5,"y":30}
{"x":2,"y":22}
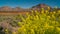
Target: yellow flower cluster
{"x":44,"y":22}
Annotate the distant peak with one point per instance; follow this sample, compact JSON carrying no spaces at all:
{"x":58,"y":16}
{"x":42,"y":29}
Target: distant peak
{"x":40,"y":6}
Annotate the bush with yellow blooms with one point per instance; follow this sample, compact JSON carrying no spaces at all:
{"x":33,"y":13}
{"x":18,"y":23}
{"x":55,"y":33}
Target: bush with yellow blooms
{"x":44,"y":22}
{"x":38,"y":22}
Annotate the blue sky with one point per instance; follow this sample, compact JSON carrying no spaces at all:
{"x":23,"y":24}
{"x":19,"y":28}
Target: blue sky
{"x":28,"y":3}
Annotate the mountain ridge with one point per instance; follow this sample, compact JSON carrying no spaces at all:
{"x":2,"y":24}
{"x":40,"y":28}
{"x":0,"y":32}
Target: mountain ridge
{"x":37,"y":7}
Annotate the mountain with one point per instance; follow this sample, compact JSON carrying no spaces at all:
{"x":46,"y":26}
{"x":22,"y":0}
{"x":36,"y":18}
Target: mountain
{"x":17,"y":9}
{"x":5,"y":8}
{"x":39,"y":6}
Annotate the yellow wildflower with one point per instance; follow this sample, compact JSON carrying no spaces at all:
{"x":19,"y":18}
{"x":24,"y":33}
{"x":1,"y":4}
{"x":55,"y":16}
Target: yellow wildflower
{"x":58,"y":28}
{"x":6,"y":30}
{"x":48,"y":16}
{"x":54,"y":12}
{"x":48,"y":8}
{"x":14,"y":33}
